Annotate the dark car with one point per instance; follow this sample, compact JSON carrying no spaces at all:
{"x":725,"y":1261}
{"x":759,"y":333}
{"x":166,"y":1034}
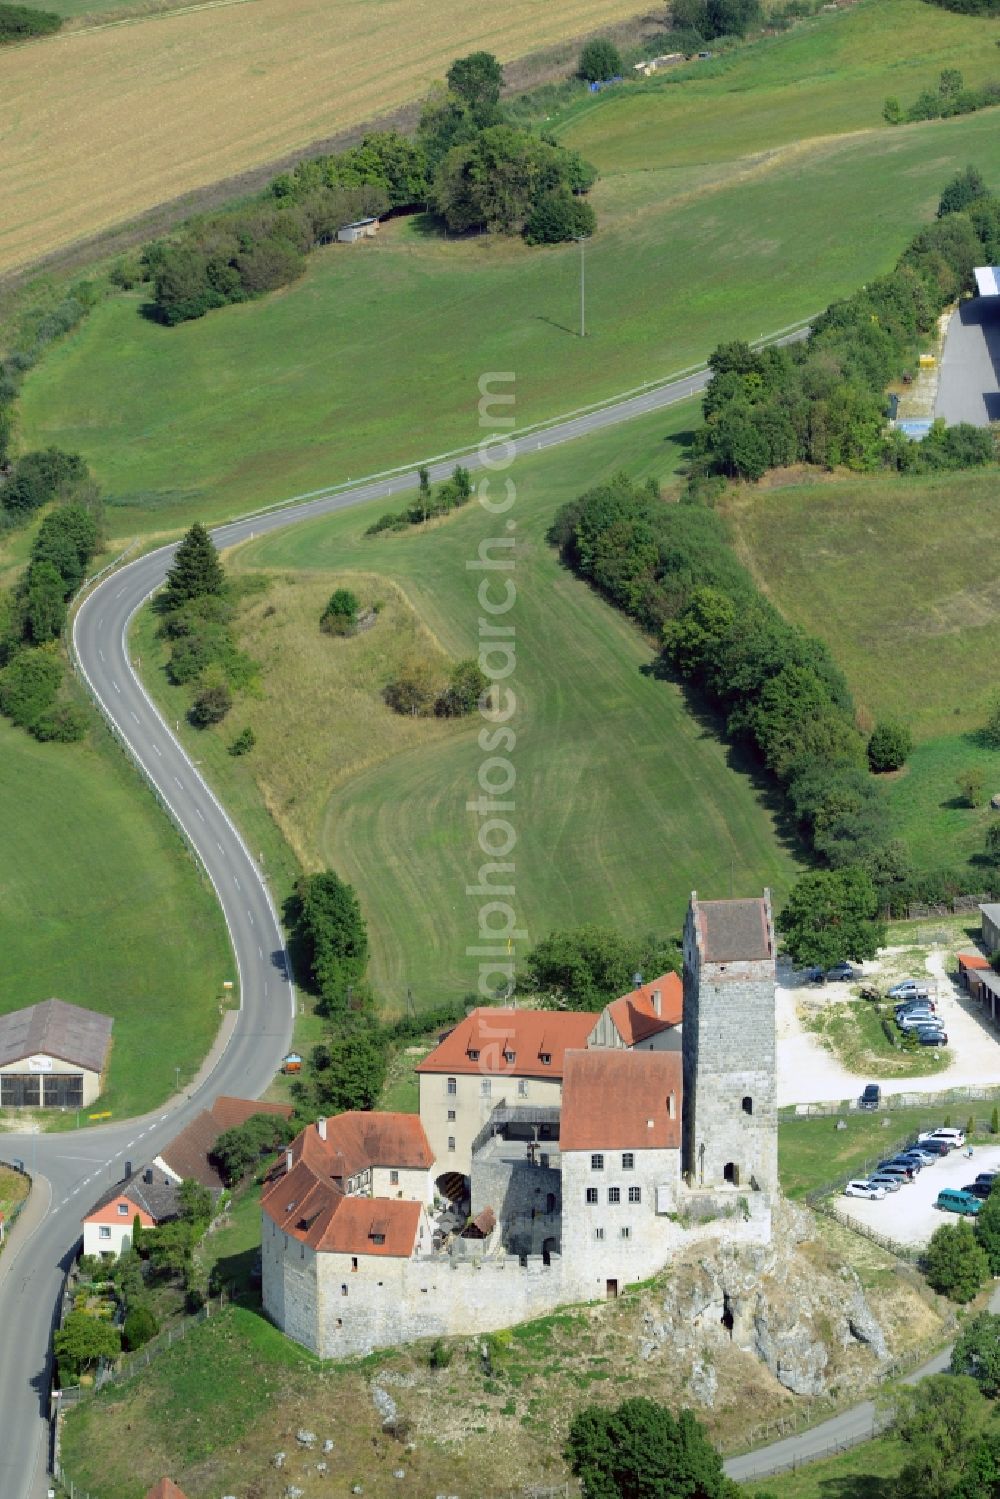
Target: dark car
{"x":938,"y":1147}
{"x":814,"y":975}
{"x":989,"y":1177}
{"x":911,"y":1162}
{"x":896,"y":1168}
{"x":931,"y":1035}
{"x":871,"y":1098}
{"x":978,"y":1189}
{"x":841,"y":971}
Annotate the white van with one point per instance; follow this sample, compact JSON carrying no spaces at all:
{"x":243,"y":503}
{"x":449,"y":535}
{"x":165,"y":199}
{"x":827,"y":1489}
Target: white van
{"x":953,"y":1137}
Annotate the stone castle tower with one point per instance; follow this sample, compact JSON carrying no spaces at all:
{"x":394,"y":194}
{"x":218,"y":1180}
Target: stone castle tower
{"x":730,"y":1127}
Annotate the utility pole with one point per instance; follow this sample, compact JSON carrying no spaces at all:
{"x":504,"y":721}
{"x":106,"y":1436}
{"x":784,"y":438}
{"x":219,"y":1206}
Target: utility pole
{"x":581,"y":240}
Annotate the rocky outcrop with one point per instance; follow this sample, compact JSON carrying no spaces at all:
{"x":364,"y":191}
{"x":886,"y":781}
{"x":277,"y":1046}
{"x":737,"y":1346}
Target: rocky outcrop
{"x":808,"y":1322}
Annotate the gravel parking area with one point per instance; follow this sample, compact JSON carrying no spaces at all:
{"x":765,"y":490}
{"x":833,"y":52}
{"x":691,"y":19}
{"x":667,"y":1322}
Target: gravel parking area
{"x":909,"y":1215}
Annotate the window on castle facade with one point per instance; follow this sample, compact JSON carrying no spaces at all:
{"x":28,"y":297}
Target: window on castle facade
{"x":597,"y":1163}
{"x":598,"y":1233}
{"x":394,"y":1178}
{"x":451,"y":1116}
{"x":451,"y":1142}
{"x":614,"y":1195}
{"x":452,"y":1087}
{"x":485,"y":1087}
{"x":354,"y":1262}
{"x":343,"y":1290}
{"x":635,"y":1194}
{"x":628,"y":1161}
{"x":626,"y":1232}
{"x":522,"y":1088}
{"x":748,"y":1105}
{"x":591,"y":1195}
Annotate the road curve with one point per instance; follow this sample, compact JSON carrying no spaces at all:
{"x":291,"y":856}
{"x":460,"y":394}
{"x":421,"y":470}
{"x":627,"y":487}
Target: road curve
{"x":77,"y":1167}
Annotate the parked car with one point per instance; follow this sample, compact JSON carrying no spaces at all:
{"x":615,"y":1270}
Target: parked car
{"x":871,"y":1098}
{"x":937,"y":1147}
{"x":988,"y":1176}
{"x":978,"y":1189}
{"x":814,"y":975}
{"x":951,"y":1200}
{"x":893,"y":1168}
{"x":915,"y":1006}
{"x":912,"y":1158}
{"x":923,"y":1155}
{"x":841,"y":971}
{"x":871,"y":1190}
{"x":953,"y":1138}
{"x":890,"y":1183}
{"x":911,"y":1022}
{"x":909,"y":989}
{"x":932,"y":1035}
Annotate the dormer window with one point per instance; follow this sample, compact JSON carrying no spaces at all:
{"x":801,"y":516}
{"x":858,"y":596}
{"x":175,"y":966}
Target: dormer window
{"x":545,"y":1057}
{"x":473,"y":1056}
{"x":509,"y":1057}
{"x":378,"y":1238}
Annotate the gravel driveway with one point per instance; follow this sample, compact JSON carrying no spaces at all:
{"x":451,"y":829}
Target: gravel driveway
{"x":969,"y":387}
{"x":909,"y":1215}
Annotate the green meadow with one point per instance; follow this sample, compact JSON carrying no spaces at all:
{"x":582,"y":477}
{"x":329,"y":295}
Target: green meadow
{"x":708,"y":230}
{"x":890,"y":573}
{"x":103,"y":907}
{"x":624,"y":802}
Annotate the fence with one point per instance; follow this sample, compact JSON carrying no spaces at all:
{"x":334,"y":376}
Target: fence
{"x":19,"y":1208}
{"x":920,"y":911}
{"x":132,"y":1364}
{"x":891,"y":1103}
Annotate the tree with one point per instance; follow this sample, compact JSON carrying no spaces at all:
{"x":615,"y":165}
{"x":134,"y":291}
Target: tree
{"x":332,"y":933}
{"x":68,"y":539}
{"x":831,"y":915}
{"x":970,"y":783}
{"x":413,"y":690}
{"x":239,"y":1150}
{"x":600,"y":59}
{"x":991,"y":730}
{"x":39,"y":477}
{"x":28,"y":686}
{"x":424,"y":492}
{"x":139,"y":1326}
{"x":349,"y":1071}
{"x":587,"y":967}
{"x":196,"y":1202}
{"x":557,"y":217}
{"x":889,"y":745}
{"x":967,"y":187}
{"x":170,"y":1246}
{"x":477,"y":81}
{"x":341,"y":613}
{"x":988,"y":1231}
{"x":211,"y":705}
{"x":44,"y":603}
{"x":892,"y":111}
{"x":196,"y":570}
{"x":244,"y":742}
{"x":464,"y":691}
{"x":640,"y":1450}
{"x":937,"y":1420}
{"x":977,"y":1353}
{"x":956,"y":1264}
{"x":82,"y":1340}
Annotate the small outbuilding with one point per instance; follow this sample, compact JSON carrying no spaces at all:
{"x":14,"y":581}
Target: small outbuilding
{"x":348,"y":234}
{"x":52,"y":1055}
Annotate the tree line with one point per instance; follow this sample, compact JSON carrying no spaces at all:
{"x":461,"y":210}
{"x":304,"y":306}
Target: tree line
{"x":467,"y":164}
{"x":823,"y":400}
{"x":20,"y":22}
{"x":951,"y":97}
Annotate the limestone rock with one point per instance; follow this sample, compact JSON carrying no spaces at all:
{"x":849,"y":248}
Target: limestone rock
{"x":328,"y":1444}
{"x":704,"y":1382}
{"x":305,"y":1438}
{"x":384,"y":1404}
{"x":278,"y":1459}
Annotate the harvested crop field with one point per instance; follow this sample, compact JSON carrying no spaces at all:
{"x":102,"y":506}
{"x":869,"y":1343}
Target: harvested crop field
{"x":102,"y":124}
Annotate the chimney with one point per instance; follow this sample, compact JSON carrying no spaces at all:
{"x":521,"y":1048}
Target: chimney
{"x":656,"y":1003}
{"x":288,"y":1160}
{"x":321,"y":1128}
{"x":147,"y":1176}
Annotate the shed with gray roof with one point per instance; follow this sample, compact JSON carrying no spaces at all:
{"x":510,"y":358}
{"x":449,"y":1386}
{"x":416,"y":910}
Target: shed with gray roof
{"x":52,"y":1055}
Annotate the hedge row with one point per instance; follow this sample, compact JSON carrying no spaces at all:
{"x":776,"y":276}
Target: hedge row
{"x":20,"y":22}
{"x":823,"y":400}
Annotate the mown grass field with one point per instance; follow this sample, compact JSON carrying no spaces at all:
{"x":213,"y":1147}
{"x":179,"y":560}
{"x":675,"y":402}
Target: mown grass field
{"x":624,"y":801}
{"x":890,"y":574}
{"x":105,"y":122}
{"x":865,"y":1472}
{"x":101,"y":906}
{"x":374,"y":357}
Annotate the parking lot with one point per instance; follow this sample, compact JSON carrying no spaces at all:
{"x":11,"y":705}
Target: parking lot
{"x":909,"y":1215}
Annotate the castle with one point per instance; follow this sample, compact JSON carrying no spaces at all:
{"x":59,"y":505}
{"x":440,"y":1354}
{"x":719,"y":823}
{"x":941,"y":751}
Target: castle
{"x":557,"y":1157}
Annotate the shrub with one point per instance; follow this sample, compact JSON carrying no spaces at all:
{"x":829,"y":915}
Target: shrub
{"x":557,"y":217}
{"x":211,"y":705}
{"x":995,"y":1121}
{"x":440,"y":1355}
{"x":38,"y":477}
{"x":970,"y":784}
{"x":28,"y":686}
{"x":66,"y":723}
{"x":889,"y":745}
{"x":140,"y":1325}
{"x":412,"y":691}
{"x":600,"y":59}
{"x":244,"y":742}
{"x":464,"y":691}
{"x":340,"y":616}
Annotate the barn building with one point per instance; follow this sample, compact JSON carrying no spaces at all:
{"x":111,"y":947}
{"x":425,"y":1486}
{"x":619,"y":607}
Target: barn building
{"x":52,"y":1055}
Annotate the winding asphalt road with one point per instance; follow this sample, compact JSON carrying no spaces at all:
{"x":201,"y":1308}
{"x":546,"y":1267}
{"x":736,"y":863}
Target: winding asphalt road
{"x":71,"y":1170}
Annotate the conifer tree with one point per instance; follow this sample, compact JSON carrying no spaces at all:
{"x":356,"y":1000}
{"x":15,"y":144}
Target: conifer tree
{"x":196,"y":572}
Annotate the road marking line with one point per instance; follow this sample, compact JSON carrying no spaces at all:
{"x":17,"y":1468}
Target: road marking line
{"x":117,"y":688}
{"x":200,"y":813}
{"x":162,"y":1117}
{"x":100,"y":653}
{"x":178,"y":783}
{"x":250,"y":914}
{"x":134,"y":714}
{"x":236,"y":882}
{"x":158,"y":750}
{"x":119,"y":593}
{"x":218,"y":845}
{"x":260,"y":952}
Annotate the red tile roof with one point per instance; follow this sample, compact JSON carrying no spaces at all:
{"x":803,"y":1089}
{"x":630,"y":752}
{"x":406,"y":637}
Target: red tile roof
{"x":635,"y":1016}
{"x":734,"y":930}
{"x":619,"y":1100}
{"x":479,"y":1043}
{"x":230,"y":1113}
{"x":165,"y":1489}
{"x":310,"y":1200}
{"x":973,"y":960}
